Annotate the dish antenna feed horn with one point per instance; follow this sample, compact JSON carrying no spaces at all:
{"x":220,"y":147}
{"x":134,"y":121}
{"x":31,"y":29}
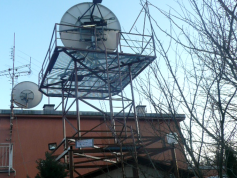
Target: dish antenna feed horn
{"x":97,"y":1}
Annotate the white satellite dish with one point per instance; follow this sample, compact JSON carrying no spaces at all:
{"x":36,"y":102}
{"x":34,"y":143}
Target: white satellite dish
{"x":172,"y":138}
{"x":26,"y":95}
{"x":89,"y":16}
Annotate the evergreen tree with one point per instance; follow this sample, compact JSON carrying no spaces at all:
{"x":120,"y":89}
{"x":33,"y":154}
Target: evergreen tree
{"x":50,"y":168}
{"x":231,"y":163}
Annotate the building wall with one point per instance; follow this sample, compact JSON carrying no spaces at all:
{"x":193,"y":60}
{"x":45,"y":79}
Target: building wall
{"x":30,"y":138}
{"x":32,"y":133}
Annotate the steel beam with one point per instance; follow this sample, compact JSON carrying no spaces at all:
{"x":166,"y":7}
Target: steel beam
{"x":133,"y":102}
{"x":77,"y":101}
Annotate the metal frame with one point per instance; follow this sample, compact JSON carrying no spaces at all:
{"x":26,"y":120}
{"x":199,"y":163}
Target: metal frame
{"x":114,"y":71}
{"x":6,"y":161}
{"x":92,"y":74}
{"x":95,"y":74}
{"x":94,"y":65}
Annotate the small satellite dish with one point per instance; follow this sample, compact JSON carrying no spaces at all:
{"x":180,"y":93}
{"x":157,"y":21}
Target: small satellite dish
{"x":172,"y":138}
{"x":87,"y":24}
{"x":26,"y":95}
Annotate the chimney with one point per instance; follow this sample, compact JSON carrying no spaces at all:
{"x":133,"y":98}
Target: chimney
{"x":48,"y":107}
{"x":141,"y":110}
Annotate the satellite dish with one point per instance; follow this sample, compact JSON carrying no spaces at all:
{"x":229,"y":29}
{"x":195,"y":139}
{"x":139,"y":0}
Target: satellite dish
{"x":80,"y":22}
{"x":172,"y":138}
{"x":26,"y":95}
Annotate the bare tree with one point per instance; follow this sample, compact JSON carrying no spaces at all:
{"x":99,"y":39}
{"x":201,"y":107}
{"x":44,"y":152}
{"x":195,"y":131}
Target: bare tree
{"x":196,"y":73}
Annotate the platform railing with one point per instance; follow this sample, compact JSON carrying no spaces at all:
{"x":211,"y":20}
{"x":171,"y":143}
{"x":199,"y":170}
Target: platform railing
{"x":6,"y":157}
{"x":129,"y":43}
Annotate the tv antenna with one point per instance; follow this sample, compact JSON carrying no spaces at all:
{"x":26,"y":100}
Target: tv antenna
{"x":15,"y":73}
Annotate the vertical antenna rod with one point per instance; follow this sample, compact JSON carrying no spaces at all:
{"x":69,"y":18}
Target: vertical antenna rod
{"x":13,"y":75}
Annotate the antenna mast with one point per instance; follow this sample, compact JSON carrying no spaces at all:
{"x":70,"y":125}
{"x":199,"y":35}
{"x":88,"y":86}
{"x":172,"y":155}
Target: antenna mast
{"x":14,"y":72}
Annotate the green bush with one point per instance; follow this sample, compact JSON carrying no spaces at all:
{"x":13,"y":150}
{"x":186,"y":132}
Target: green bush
{"x":50,"y":168}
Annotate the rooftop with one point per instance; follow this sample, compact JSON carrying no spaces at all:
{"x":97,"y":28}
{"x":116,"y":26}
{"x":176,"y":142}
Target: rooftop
{"x":180,"y":117}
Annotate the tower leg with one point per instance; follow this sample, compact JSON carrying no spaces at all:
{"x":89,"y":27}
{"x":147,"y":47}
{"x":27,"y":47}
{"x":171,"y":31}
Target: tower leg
{"x":71,"y":166}
{"x":63,"y":112}
{"x":133,"y":103}
{"x":77,"y":101}
{"x":110,"y":99}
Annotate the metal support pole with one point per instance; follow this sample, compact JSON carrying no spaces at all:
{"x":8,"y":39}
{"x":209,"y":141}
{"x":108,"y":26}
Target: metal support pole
{"x":48,"y":91}
{"x":152,"y":30}
{"x":135,"y":166}
{"x":120,"y":81}
{"x":95,"y":38}
{"x":63,"y":112}
{"x":133,"y":103}
{"x":10,"y":158}
{"x":55,"y":31}
{"x":71,"y":165}
{"x":110,"y":98}
{"x":121,"y":157}
{"x":12,"y":105}
{"x":77,"y":101}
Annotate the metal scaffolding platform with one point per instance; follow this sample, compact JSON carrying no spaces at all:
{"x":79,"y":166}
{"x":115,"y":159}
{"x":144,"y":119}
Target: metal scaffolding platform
{"x":95,"y":74}
{"x":98,"y":72}
{"x":94,"y":67}
{"x":106,"y":154}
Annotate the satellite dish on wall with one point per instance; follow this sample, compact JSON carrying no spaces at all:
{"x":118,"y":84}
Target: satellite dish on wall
{"x":172,"y":138}
{"x":26,"y":95}
{"x":89,"y":17}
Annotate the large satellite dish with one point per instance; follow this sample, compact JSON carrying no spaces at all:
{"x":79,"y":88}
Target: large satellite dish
{"x":26,"y":95}
{"x":87,"y":24}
